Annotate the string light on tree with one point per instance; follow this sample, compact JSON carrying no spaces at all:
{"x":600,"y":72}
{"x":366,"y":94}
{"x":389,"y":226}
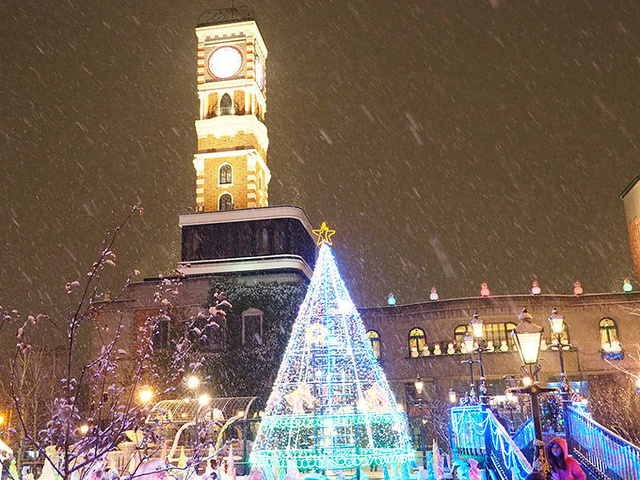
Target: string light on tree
{"x":331,"y":406}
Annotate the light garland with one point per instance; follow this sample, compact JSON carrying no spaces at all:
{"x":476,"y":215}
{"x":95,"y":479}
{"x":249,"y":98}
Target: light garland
{"x":331,"y":406}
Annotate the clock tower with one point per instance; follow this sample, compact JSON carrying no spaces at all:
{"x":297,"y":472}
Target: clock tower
{"x":231,"y":159}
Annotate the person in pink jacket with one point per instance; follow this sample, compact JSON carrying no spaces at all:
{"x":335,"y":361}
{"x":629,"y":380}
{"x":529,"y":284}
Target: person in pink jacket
{"x":563,"y":467}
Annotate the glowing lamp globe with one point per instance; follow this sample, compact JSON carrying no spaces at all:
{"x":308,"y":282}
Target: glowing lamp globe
{"x":469,"y":343}
{"x":557,"y":322}
{"x":419,"y":384}
{"x":453,"y":397}
{"x":476,"y":325}
{"x":626,"y":286}
{"x":145,"y":394}
{"x":528,"y":336}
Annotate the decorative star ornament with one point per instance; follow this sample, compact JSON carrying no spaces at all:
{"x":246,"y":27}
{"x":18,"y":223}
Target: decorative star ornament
{"x":324,"y":234}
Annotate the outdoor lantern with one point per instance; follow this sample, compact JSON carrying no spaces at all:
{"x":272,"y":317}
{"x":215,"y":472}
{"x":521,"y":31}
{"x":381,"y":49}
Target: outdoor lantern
{"x":419,"y":384}
{"x":556,"y":321}
{"x":528,"y":336}
{"x":476,"y":325}
{"x":145,"y":394}
{"x":469,"y":343}
{"x":453,"y":397}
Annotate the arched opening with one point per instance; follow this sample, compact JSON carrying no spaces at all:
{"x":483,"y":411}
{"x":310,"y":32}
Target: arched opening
{"x":225,"y":174}
{"x":226,"y":105}
{"x":225,"y":202}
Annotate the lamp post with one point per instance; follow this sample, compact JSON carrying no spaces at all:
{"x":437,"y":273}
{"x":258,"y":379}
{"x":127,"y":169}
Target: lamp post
{"x":419,"y":384}
{"x":469,"y":344}
{"x":528,"y":336}
{"x":557,"y":327}
{"x":477,"y":325}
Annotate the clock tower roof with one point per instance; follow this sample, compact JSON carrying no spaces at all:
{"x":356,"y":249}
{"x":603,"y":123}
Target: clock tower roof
{"x":220,"y":16}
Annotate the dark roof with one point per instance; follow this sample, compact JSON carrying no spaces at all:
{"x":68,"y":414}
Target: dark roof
{"x":630,"y":186}
{"x":219,"y":16}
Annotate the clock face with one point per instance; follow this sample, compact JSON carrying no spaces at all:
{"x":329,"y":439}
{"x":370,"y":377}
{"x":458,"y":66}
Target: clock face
{"x":259,"y":72}
{"x":225,"y":62}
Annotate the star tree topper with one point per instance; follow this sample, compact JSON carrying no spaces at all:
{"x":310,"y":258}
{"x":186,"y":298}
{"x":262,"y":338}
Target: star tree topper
{"x":324,"y":234}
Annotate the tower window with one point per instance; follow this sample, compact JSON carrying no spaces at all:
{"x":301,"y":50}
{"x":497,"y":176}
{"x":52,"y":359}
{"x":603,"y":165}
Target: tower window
{"x":225,"y":202}
{"x":252,"y":327}
{"x":225,"y":174}
{"x":226,"y":105}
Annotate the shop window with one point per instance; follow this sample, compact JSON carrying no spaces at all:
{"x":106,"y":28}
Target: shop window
{"x":374,"y":338}
{"x":417,"y":342}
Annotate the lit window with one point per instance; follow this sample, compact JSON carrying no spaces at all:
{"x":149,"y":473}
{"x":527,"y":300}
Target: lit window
{"x":225,"y":174}
{"x":417,"y":341}
{"x":499,"y":334}
{"x":609,"y":341}
{"x":374,"y":338}
{"x":458,"y":335}
{"x":226,"y":202}
{"x":252,"y":327}
{"x":226,"y":105}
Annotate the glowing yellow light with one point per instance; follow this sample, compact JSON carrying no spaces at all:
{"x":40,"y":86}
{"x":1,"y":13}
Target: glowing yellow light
{"x":324,"y":234}
{"x":526,"y":381}
{"x":204,"y":399}
{"x":193,"y":382}
{"x":84,"y":429}
{"x":1,"y":419}
{"x":145,"y":394}
{"x":240,"y":413}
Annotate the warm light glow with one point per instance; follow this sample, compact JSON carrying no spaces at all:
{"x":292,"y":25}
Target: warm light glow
{"x":476,"y":326}
{"x":526,"y":381}
{"x":225,"y":62}
{"x":528,"y":337}
{"x":145,"y":394}
{"x":469,"y":343}
{"x":1,"y":419}
{"x":453,"y":397}
{"x":193,"y":382}
{"x":584,"y":401}
{"x":419,"y":384}
{"x":557,"y":322}
{"x":84,"y":429}
{"x":240,"y":413}
{"x":511,"y":397}
{"x":204,"y":399}
{"x":638,"y":382}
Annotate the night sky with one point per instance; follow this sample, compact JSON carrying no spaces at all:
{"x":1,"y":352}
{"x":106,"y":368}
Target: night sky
{"x":447,"y":142}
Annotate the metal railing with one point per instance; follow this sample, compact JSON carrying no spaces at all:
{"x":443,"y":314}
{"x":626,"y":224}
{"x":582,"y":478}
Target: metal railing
{"x":475,"y":432}
{"x":525,"y":434}
{"x":600,"y":450}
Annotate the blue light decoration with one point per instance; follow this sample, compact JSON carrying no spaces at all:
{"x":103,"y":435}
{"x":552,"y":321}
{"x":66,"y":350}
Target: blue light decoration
{"x":391,"y":299}
{"x":627,"y":286}
{"x":331,"y":406}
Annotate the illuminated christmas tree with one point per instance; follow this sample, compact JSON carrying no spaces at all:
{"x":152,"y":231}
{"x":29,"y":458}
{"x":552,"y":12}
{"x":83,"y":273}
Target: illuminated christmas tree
{"x":331,"y":406}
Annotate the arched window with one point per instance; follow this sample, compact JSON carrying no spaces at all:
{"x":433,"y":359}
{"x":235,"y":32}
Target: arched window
{"x":252,"y":327}
{"x":226,"y":105}
{"x":225,"y":202}
{"x":225,"y":174}
{"x":565,"y":336}
{"x":417,"y":341}
{"x":374,"y":338}
{"x":458,"y":335}
{"x":609,"y":341}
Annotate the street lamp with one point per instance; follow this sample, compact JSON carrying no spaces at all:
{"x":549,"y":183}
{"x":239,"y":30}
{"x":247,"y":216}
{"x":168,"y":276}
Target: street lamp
{"x":557,"y":327}
{"x":145,"y":394}
{"x":469,"y":343}
{"x":453,"y":396}
{"x":528,"y":336}
{"x":193,"y":382}
{"x":419,"y":384}
{"x":477,"y":325}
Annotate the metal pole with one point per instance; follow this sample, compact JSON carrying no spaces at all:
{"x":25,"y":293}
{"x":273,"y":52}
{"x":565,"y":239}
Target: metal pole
{"x":484,"y":400}
{"x":472,"y":391}
{"x":564,"y":397}
{"x":424,"y":439}
{"x":537,"y":426}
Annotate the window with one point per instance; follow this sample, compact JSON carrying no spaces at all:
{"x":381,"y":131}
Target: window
{"x":565,"y":336}
{"x":226,"y":105}
{"x":262,"y":241}
{"x":226,"y":202}
{"x":374,"y":338}
{"x":417,"y":342}
{"x":252,"y":327}
{"x":225,"y":174}
{"x":458,"y":335}
{"x":499,"y":334}
{"x":609,"y":341}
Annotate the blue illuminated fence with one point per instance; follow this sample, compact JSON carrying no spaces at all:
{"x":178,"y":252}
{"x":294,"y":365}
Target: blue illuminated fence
{"x":525,"y":434}
{"x":475,"y":432}
{"x":600,"y":449}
